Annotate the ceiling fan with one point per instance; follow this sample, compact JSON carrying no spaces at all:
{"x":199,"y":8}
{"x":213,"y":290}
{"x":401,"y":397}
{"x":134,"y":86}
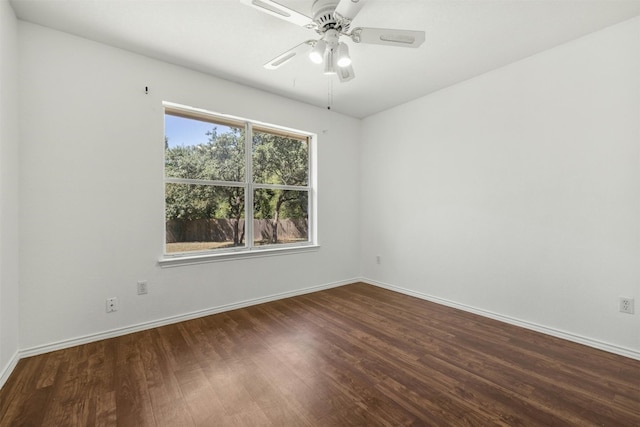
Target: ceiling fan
{"x":331,"y":20}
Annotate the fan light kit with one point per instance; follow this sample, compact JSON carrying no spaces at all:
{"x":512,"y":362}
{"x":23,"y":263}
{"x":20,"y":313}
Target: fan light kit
{"x":331,"y":20}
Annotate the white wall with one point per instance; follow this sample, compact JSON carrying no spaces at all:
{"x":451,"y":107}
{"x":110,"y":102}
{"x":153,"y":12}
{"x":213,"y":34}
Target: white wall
{"x":517,"y":192}
{"x":92,"y":194}
{"x":8,"y":190}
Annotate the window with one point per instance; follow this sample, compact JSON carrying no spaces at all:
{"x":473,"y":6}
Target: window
{"x":234,"y":185}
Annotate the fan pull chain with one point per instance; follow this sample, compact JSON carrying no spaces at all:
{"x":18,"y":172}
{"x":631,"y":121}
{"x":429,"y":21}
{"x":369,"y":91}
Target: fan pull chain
{"x":329,"y":93}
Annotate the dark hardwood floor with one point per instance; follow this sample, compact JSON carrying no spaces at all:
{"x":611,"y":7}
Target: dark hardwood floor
{"x":354,"y":355}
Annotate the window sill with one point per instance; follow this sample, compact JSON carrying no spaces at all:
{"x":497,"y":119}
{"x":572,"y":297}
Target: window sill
{"x":201,"y":258}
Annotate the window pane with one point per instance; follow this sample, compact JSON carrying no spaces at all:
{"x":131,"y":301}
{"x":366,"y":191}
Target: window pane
{"x":280,"y":216}
{"x":196,"y":149}
{"x":203,"y":217}
{"x":279,"y":159}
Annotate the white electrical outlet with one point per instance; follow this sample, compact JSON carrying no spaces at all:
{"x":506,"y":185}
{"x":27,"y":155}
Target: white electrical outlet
{"x":378,"y":259}
{"x":626,"y":305}
{"x":142,"y":287}
{"x":112,"y":304}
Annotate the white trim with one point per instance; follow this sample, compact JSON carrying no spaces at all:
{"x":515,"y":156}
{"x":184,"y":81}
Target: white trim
{"x":187,"y":109}
{"x":248,"y":189}
{"x":46,"y":348}
{"x":242,"y":253}
{"x":170,"y":180}
{"x":8,"y":369}
{"x":258,"y":186}
{"x":313,"y":188}
{"x":600,"y":345}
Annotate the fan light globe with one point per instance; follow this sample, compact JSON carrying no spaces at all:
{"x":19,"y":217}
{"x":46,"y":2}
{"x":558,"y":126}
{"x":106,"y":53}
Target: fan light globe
{"x":328,"y":63}
{"x":317,"y":53}
{"x":343,"y":56}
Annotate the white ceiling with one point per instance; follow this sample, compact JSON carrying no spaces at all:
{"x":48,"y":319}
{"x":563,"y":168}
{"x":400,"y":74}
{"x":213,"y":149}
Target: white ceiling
{"x":228,"y":39}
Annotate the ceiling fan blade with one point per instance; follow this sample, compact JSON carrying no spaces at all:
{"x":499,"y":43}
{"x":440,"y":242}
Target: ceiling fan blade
{"x":348,"y":9}
{"x":280,"y":60}
{"x":282,"y":12}
{"x":389,"y":37}
{"x":345,"y":73}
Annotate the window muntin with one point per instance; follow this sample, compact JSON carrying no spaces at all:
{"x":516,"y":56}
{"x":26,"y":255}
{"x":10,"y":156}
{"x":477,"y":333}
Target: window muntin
{"x":233,"y":185}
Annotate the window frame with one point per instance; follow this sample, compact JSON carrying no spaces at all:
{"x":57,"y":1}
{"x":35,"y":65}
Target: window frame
{"x":249,"y":249}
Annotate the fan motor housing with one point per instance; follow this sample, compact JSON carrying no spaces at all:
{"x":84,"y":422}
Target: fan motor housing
{"x":323,"y":16}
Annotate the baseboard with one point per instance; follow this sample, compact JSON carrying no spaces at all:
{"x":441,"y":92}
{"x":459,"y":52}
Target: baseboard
{"x":59,"y":345}
{"x":600,"y":345}
{"x":8,"y":369}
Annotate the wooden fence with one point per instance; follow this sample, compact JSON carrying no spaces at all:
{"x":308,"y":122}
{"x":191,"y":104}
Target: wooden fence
{"x":222,"y":230}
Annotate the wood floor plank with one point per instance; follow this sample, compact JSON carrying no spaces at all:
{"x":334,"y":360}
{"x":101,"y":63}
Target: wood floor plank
{"x":355,"y":355}
{"x":200,"y":399}
{"x":133,"y":405}
{"x":105,"y":413}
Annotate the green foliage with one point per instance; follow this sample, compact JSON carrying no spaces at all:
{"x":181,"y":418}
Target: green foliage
{"x":188,"y":202}
{"x":280,"y":160}
{"x":296,"y":206}
{"x":289,"y":203}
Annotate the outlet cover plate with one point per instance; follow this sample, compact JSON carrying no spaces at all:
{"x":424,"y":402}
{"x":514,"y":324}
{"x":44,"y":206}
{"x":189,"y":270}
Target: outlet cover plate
{"x":112,"y":304}
{"x":142,"y":287}
{"x":626,"y":305}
